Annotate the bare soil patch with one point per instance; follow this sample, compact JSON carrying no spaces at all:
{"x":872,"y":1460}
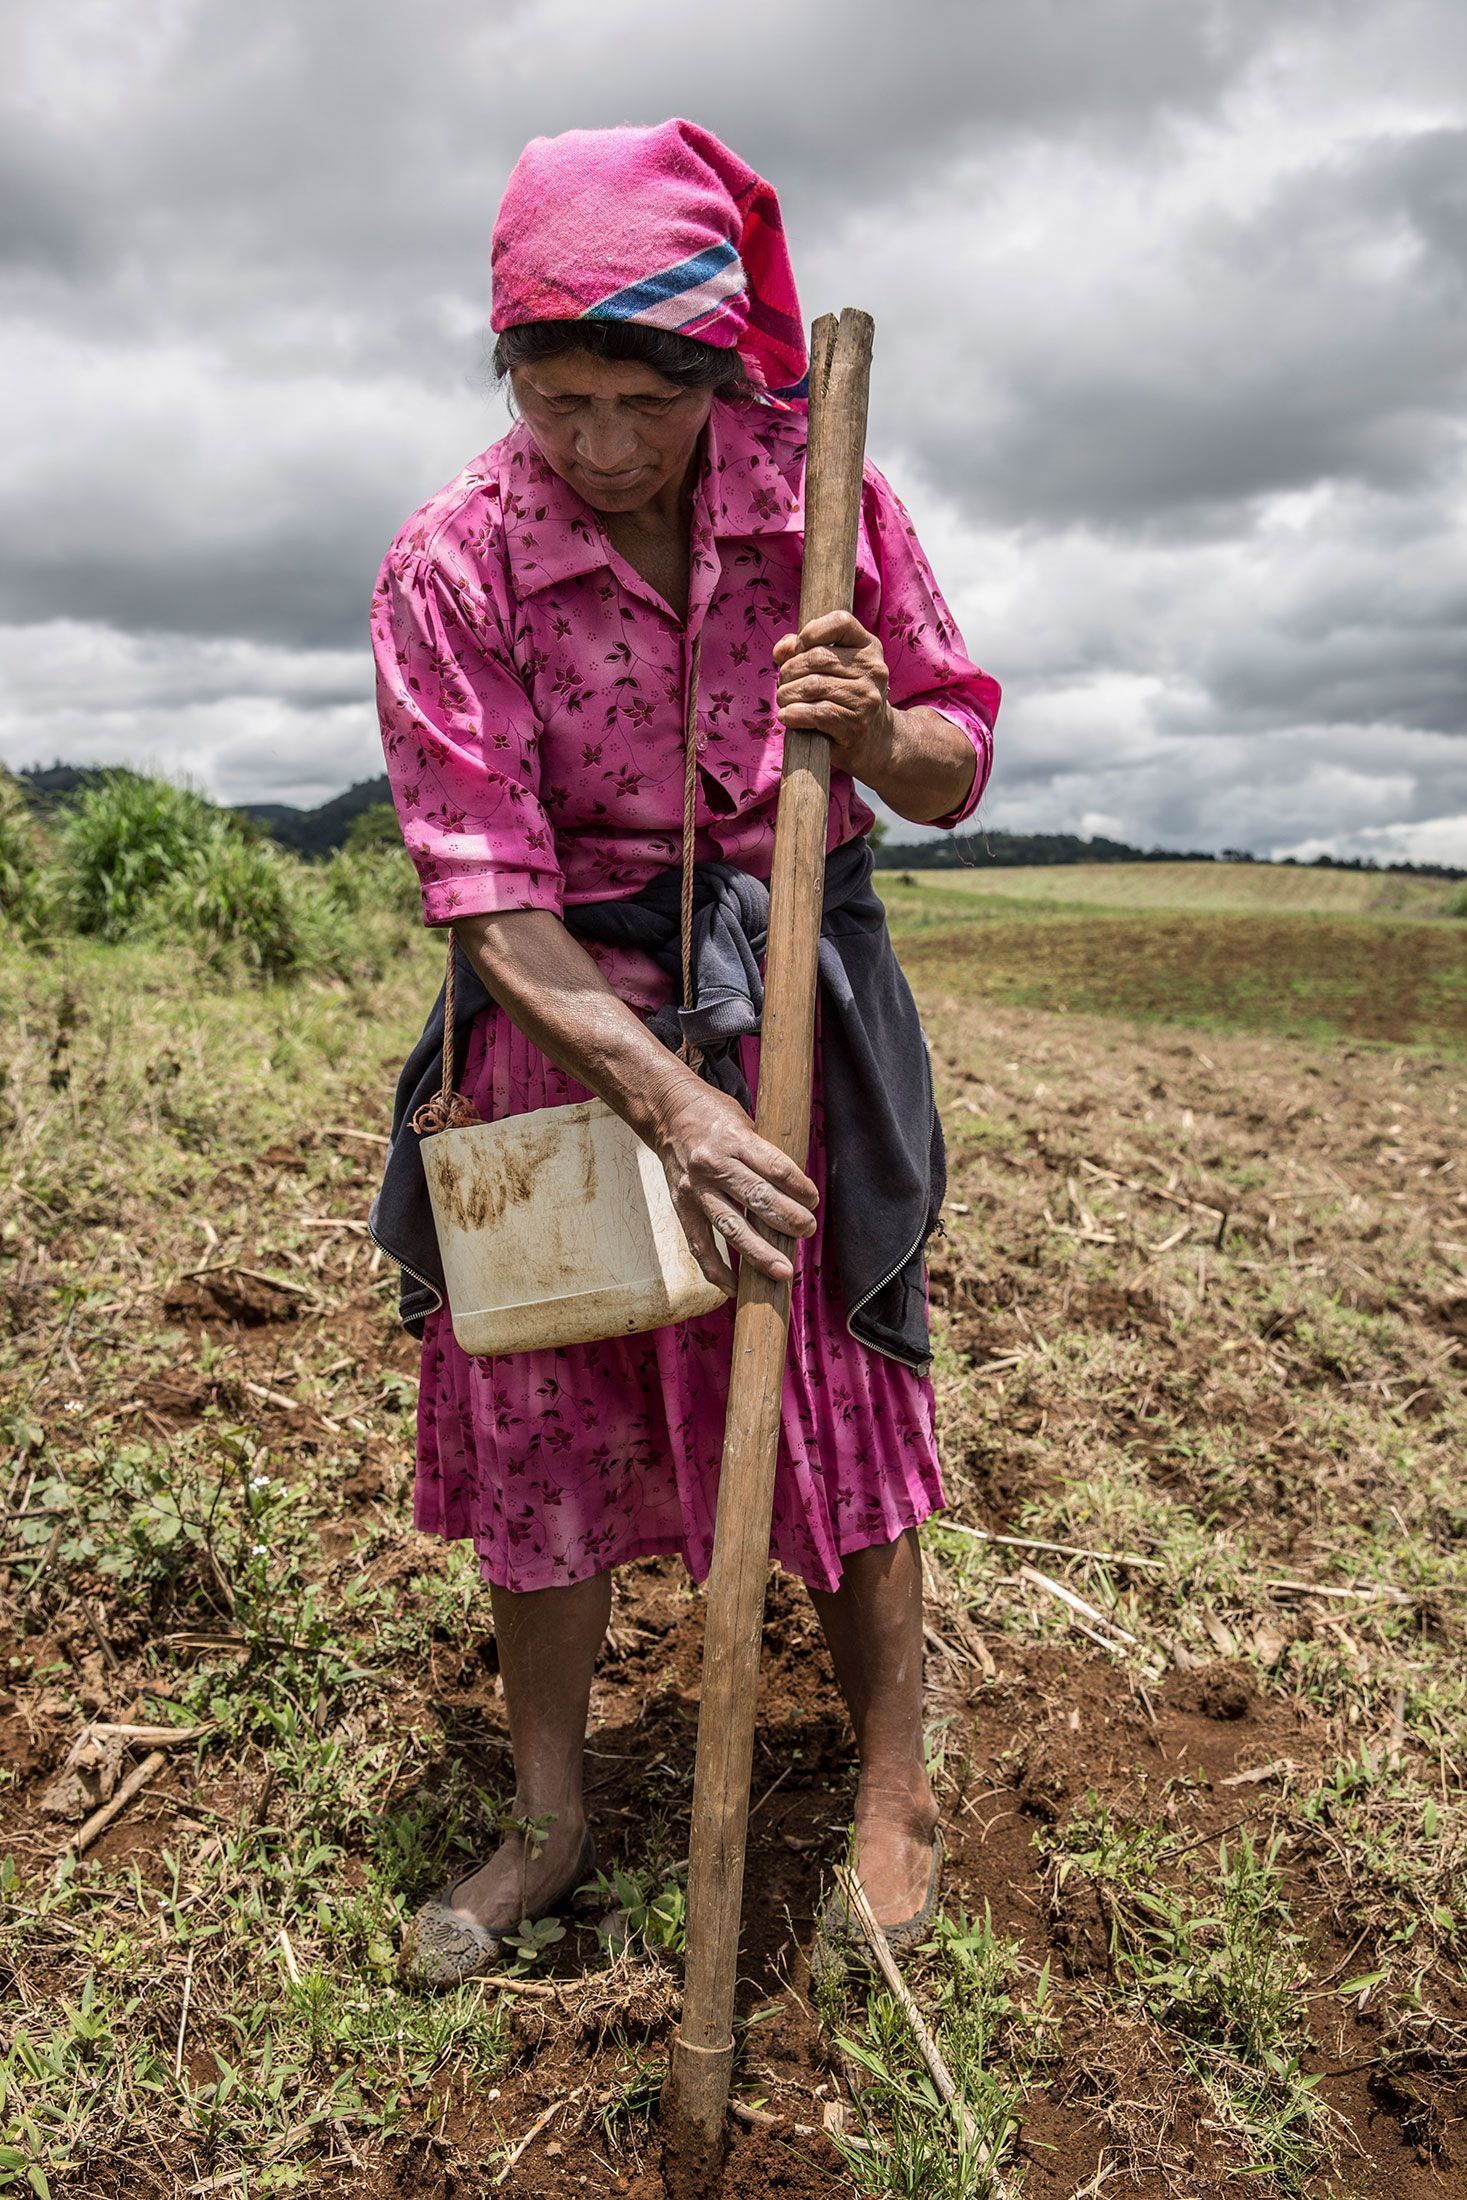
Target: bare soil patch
{"x":1387,"y":981}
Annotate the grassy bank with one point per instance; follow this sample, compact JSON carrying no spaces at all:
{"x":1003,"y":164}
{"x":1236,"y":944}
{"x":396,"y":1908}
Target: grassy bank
{"x":1374,"y":979}
{"x":1276,"y":888}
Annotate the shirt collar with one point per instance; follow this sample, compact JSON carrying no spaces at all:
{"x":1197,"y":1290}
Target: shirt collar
{"x":753,"y":483}
{"x":551,"y":535}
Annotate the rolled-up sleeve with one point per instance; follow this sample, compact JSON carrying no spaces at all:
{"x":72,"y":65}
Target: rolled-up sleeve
{"x":462,"y":747}
{"x":929,"y":666}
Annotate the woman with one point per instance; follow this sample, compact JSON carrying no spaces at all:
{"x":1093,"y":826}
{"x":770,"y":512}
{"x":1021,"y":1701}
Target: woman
{"x":535,"y":626}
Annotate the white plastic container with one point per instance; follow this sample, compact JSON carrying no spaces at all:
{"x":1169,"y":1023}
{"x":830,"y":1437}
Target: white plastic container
{"x":556,"y":1228}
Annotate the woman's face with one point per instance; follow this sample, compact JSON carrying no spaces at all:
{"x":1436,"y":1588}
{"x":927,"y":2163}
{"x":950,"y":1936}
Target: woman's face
{"x":617,"y":431}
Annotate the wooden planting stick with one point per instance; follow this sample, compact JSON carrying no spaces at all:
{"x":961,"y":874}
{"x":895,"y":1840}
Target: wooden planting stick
{"x":696,"y":2099}
{"x":854,"y":1896}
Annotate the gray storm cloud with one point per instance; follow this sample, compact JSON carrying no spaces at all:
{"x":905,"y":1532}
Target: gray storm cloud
{"x":1170,"y":367}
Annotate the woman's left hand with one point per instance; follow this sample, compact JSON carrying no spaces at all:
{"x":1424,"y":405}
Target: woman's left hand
{"x":833,"y":680}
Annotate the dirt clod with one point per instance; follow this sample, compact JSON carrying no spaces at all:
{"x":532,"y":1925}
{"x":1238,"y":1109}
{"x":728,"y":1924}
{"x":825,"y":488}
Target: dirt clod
{"x":231,"y":1295}
{"x":1046,"y":1778}
{"x":1079,"y":1928}
{"x":1223,"y":1691}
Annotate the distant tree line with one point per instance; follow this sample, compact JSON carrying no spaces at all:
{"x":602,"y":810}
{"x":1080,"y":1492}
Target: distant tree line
{"x":363,"y":817}
{"x":979,"y":851}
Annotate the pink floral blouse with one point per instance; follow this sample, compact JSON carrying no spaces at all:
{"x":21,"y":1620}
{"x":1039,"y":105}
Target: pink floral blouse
{"x":531,"y":684}
{"x":532,"y":691}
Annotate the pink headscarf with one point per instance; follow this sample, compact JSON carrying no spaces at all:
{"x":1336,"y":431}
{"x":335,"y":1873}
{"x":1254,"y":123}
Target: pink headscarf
{"x":663,"y":226}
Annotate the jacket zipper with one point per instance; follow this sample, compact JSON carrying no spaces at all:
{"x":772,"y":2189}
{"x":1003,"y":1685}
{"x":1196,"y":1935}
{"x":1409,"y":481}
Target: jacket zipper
{"x":408,"y":1270}
{"x":917,"y":1366}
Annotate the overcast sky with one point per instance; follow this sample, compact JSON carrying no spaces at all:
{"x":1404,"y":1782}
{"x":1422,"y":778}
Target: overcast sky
{"x":1170,"y":366}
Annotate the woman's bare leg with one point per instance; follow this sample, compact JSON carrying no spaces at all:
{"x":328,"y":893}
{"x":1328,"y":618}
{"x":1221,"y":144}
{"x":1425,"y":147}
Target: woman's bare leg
{"x":548,"y":1640}
{"x":873,"y":1624}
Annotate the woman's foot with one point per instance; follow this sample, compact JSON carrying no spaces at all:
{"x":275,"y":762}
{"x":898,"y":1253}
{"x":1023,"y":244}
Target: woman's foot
{"x":512,"y":1884}
{"x":895,"y":1821}
{"x":873,"y":1624}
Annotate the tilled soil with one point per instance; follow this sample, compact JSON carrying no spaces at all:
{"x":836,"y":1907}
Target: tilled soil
{"x":1077,"y":1150}
{"x":1051,"y":1729}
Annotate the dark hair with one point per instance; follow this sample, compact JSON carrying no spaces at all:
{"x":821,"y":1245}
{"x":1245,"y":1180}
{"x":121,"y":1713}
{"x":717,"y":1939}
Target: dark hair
{"x":680,"y":359}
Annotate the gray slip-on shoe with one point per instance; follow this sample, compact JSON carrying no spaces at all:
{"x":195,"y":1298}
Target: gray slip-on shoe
{"x":839,"y":1938}
{"x":441,"y":1947}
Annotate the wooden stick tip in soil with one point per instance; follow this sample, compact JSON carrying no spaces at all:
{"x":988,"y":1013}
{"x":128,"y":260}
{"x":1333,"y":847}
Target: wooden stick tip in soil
{"x":694,"y":2106}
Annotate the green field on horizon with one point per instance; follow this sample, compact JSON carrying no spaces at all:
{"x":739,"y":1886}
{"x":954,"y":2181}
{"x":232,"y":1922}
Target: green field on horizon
{"x":1223,"y":886}
{"x":1281,"y":965}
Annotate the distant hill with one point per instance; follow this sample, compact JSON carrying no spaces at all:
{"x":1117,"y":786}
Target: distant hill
{"x":985,"y":848}
{"x":308,"y":832}
{"x":47,"y":785}
{"x":1272,"y":890}
{"x":316,"y":832}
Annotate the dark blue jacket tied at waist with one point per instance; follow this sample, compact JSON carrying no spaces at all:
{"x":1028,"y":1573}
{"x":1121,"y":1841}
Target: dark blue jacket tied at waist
{"x":885,"y":1169}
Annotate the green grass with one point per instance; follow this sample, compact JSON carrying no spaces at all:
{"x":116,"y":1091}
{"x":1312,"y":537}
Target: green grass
{"x":140,"y":859}
{"x":1213,"y":1956}
{"x":1375,"y":980}
{"x":125,"y":1044}
{"x":995,"y":2021}
{"x":21,"y":894}
{"x":1225,"y":887}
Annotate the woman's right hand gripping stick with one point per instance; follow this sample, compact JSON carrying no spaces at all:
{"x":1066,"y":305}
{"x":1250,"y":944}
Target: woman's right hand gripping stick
{"x":724,"y":1177}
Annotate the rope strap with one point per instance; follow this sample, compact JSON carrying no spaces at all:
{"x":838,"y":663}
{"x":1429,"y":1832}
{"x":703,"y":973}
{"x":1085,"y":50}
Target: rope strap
{"x":447,"y":1110}
{"x":692,"y":1055}
{"x":450,"y":1110}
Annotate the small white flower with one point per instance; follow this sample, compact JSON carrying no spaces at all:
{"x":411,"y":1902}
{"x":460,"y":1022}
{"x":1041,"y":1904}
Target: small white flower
{"x":258,"y":1550}
{"x":73,"y":1405}
{"x":259,"y":1481}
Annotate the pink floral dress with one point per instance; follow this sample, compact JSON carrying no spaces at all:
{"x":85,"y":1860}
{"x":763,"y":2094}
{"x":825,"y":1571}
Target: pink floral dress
{"x":531,"y":689}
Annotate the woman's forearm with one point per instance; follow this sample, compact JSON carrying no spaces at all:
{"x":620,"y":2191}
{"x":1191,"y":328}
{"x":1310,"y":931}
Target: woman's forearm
{"x":549,"y":986}
{"x":929,"y":768}
{"x":723,"y":1176}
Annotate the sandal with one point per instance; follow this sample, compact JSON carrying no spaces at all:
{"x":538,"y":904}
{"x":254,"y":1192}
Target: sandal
{"x":838,"y":1938}
{"x":441,"y":1947}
